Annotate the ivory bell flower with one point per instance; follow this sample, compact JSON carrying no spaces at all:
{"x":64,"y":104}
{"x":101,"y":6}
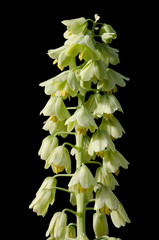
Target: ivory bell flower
{"x":48,"y":145}
{"x":114,"y":78}
{"x":112,"y":126}
{"x":100,"y":224}
{"x":81,"y":119}
{"x":44,"y":197}
{"x":99,"y":104}
{"x":99,"y":142}
{"x":106,"y":178}
{"x":95,"y":69}
{"x":59,"y":160}
{"x":67,"y":80}
{"x":56,"y":107}
{"x":75,"y":26}
{"x":54,"y":126}
{"x":119,"y":217}
{"x":105,"y":200}
{"x":82,"y":180}
{"x":113,"y":160}
{"x":108,"y":54}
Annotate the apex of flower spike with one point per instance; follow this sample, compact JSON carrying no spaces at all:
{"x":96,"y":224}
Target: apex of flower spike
{"x":97,"y":17}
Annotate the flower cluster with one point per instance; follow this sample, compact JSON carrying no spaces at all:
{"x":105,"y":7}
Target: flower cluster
{"x":84,"y":60}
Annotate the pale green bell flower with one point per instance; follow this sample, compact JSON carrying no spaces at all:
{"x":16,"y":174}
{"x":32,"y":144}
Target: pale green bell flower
{"x":106,"y":178}
{"x":114,"y":78}
{"x":48,"y":145}
{"x":99,"y":104}
{"x":59,"y":160}
{"x":108,"y":54}
{"x":82,"y":120}
{"x":113,"y":160}
{"x":108,"y":37}
{"x":93,"y":69}
{"x":56,"y":107}
{"x":82,"y":180}
{"x":99,"y":141}
{"x":65,"y":81}
{"x":44,"y":197}
{"x":70,"y":232}
{"x":112,"y":126}
{"x":107,"y":103}
{"x":100,"y":224}
{"x":119,"y":217}
{"x":105,"y":200}
{"x":76,"y":26}
{"x":82,"y":45}
{"x":57,"y":226}
{"x":53,"y":125}
{"x":107,"y":33}
{"x":48,"y":183}
{"x":88,"y":49}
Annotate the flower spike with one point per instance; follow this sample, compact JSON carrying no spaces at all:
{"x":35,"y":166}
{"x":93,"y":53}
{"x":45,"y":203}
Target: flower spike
{"x":82,"y":104}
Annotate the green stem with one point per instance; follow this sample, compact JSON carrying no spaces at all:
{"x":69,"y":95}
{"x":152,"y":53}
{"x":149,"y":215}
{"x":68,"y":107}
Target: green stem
{"x":94,"y":162}
{"x":80,"y":198}
{"x":71,"y":211}
{"x":81,"y":209}
{"x":69,"y":144}
{"x":62,"y":175}
{"x":79,"y":147}
{"x":70,"y":133}
{"x":89,"y":208}
{"x":62,"y":189}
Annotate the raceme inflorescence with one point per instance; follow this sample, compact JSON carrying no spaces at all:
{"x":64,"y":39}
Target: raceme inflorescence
{"x":89,"y":84}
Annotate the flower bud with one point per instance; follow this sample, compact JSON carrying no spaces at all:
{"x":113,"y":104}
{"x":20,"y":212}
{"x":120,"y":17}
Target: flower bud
{"x":100,"y":224}
{"x":57,"y":226}
{"x":70,"y":232}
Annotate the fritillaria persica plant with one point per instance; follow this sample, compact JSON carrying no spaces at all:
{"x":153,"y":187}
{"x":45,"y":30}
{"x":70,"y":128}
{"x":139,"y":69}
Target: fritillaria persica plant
{"x":84,"y":60}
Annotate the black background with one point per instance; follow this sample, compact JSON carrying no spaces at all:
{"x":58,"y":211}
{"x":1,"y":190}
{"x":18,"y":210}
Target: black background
{"x":32,"y":30}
